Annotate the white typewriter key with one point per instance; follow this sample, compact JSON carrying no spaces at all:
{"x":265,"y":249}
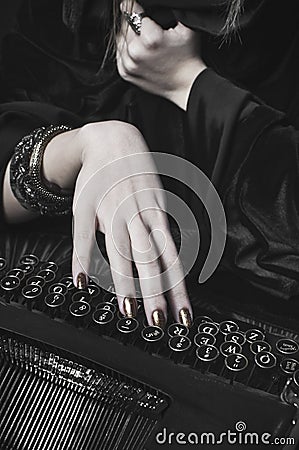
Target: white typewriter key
{"x":58,"y":288}
{"x":236,"y":362}
{"x":107,"y":306}
{"x":3,"y":264}
{"x":102,"y":316}
{"x":265,"y":360}
{"x":228,"y":326}
{"x":29,"y":259}
{"x":289,"y":365}
{"x":79,"y":309}
{"x":10,"y":283}
{"x":47,"y":274}
{"x":31,"y":291}
{"x":36,"y":280}
{"x":127,"y":325}
{"x":204,"y":339}
{"x":228,"y":347}
{"x":179,"y":343}
{"x":210,"y":327}
{"x":254,"y":335}
{"x":81,"y":296}
{"x":236,"y":337}
{"x":19,"y":273}
{"x":152,"y":334}
{"x":287,"y":346}
{"x":207,"y":353}
{"x":177,"y":329}
{"x":260,"y":346}
{"x":54,"y":300}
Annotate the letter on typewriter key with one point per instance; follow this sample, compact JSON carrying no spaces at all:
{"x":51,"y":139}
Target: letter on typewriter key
{"x":127,"y":325}
{"x":254,"y":335}
{"x":289,"y":366}
{"x":2,"y":264}
{"x":211,"y":328}
{"x":58,"y":288}
{"x":204,"y":339}
{"x":29,"y":259}
{"x":93,"y":290}
{"x":236,"y":337}
{"x":228,"y":326}
{"x":260,"y":346}
{"x":228,"y":347}
{"x":287,"y":346}
{"x":265,"y":360}
{"x":177,"y":329}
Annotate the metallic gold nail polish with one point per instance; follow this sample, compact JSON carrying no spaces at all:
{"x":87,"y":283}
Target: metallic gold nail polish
{"x":185,"y":317}
{"x":81,"y":281}
{"x":159,"y":318}
{"x":130,"y":306}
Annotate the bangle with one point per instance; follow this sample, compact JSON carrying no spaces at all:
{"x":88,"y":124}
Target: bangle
{"x":27,"y":184}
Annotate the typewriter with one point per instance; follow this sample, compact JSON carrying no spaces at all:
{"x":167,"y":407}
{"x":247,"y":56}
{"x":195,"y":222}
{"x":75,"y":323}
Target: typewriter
{"x":76,"y":375}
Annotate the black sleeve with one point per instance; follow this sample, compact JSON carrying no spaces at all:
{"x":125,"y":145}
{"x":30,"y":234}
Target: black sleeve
{"x":250,"y":153}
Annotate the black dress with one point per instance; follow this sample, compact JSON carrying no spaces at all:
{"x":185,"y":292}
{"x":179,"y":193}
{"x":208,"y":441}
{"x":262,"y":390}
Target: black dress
{"x":240,"y":127}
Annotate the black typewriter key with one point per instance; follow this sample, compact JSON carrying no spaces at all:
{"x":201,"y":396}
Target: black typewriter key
{"x":68,"y":282}
{"x":260,"y":346}
{"x":31,"y":292}
{"x":266,"y":373}
{"x":236,"y":337}
{"x":211,"y":328}
{"x":93,"y":290}
{"x":265,"y":360}
{"x":127,"y":325}
{"x":102,"y":316}
{"x":254,"y":335}
{"x":3,"y":264}
{"x":57,"y":288}
{"x":27,"y":268}
{"x":152,"y":340}
{"x":29,"y":259}
{"x":204,"y":339}
{"x":47,"y":274}
{"x":49,"y":265}
{"x":289,"y":366}
{"x":179,"y":345}
{"x":79,"y":309}
{"x":177,"y":329}
{"x":19,"y":273}
{"x":10,"y":283}
{"x":107,"y":306}
{"x":37,"y":281}
{"x":226,"y":327}
{"x":152,"y":334}
{"x":81,"y":296}
{"x":228,"y":348}
{"x":54,"y":300}
{"x":236,"y":362}
{"x":110,"y":298}
{"x":206,"y":356}
{"x":287,"y":346}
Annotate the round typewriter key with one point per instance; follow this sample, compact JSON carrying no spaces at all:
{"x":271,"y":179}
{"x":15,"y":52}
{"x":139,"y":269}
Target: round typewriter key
{"x":102,"y":316}
{"x":29,"y":259}
{"x":2,"y":264}
{"x":107,"y":306}
{"x":10,"y":283}
{"x":68,"y":282}
{"x":287,"y":346}
{"x":31,"y":291}
{"x":211,"y":328}
{"x":79,"y":309}
{"x":207,"y":353}
{"x":81,"y":296}
{"x":19,"y":273}
{"x":177,"y":329}
{"x":254,"y":335}
{"x":260,"y":346}
{"x":179,"y":343}
{"x":228,"y":348}
{"x":58,"y":288}
{"x":236,"y":362}
{"x":204,"y":339}
{"x":202,"y":319}
{"x":27,"y":268}
{"x":49,"y":265}
{"x":228,"y":327}
{"x":54,"y":300}
{"x":47,"y":274}
{"x":36,"y":280}
{"x":93,"y":290}
{"x":265,"y":360}
{"x":110,"y":298}
{"x":236,"y":337}
{"x":289,"y":366}
{"x":127,"y":325}
{"x":152,"y":334}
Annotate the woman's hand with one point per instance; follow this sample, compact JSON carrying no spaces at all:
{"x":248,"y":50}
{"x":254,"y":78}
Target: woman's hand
{"x":163,"y":62}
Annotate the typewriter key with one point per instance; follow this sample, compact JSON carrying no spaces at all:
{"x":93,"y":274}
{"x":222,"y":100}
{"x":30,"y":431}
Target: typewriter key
{"x":102,"y":316}
{"x":211,"y":328}
{"x":152,"y":334}
{"x":127,"y":325}
{"x":265,"y":360}
{"x":81,"y":296}
{"x":236,"y":337}
{"x":204,"y":339}
{"x":93,"y":290}
{"x":19,"y":273}
{"x":68,"y":282}
{"x":260,"y":346}
{"x":47,"y":274}
{"x":10,"y":283}
{"x":228,"y":348}
{"x":287,"y":346}
{"x":236,"y":362}
{"x":206,"y":355}
{"x":2,"y":264}
{"x":54,"y":300}
{"x":36,"y":280}
{"x":31,"y":291}
{"x":79,"y":309}
{"x":179,"y":343}
{"x":58,"y":288}
{"x":27,"y":268}
{"x":177,"y":329}
{"x":107,"y":306}
{"x":29,"y":259}
{"x":49,"y":265}
{"x":289,"y":366}
{"x":254,"y":335}
{"x":228,"y":327}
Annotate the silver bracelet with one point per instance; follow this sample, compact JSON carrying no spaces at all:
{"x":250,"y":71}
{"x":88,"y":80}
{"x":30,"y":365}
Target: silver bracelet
{"x":27,"y":185}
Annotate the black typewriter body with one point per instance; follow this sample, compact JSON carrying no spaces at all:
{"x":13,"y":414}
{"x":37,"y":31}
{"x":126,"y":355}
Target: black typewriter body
{"x":76,"y":375}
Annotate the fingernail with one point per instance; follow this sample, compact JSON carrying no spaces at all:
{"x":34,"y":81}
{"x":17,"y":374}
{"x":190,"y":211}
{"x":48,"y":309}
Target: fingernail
{"x":185,"y":317}
{"x":130,"y":307}
{"x":81,"y":281}
{"x":159,"y":318}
